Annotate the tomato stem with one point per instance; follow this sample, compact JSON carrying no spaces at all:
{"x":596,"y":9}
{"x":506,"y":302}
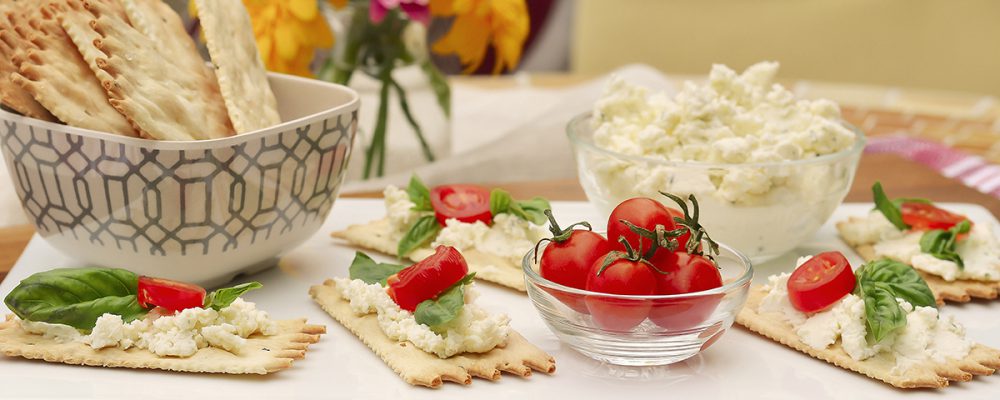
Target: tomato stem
{"x":559,"y":235}
{"x":690,"y":224}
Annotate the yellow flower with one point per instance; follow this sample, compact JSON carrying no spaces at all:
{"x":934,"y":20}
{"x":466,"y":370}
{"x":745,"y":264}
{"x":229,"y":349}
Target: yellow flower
{"x":477,"y":24}
{"x":288,"y":32}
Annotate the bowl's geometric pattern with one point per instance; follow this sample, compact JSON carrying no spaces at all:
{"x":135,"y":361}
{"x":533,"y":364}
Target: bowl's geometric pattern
{"x":159,"y":201}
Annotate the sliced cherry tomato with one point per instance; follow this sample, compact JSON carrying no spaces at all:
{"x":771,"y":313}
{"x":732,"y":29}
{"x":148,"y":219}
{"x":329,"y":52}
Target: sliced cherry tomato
{"x":684,"y":273}
{"x":427,"y":278}
{"x":820,"y":282}
{"x":923,"y":216}
{"x":642,"y":212}
{"x":171,"y":295}
{"x":568,"y":263}
{"x":622,"y":276}
{"x":466,"y":203}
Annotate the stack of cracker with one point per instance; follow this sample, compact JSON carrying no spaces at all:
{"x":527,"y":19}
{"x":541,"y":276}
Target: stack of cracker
{"x":129,"y":67}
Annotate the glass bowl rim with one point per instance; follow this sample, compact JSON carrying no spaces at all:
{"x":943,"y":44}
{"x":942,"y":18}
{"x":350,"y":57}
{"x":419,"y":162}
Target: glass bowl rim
{"x":574,"y":126}
{"x":527,"y":264}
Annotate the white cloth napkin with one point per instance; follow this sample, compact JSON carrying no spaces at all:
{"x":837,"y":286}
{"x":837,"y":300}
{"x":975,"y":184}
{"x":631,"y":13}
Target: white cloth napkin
{"x":499,"y":135}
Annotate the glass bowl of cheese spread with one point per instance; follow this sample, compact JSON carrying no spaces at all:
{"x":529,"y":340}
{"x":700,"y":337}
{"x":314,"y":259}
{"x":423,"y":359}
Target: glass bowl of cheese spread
{"x":768,"y":169}
{"x":673,"y":328}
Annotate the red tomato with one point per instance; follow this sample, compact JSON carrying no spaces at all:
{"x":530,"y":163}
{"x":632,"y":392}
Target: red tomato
{"x":171,"y":295}
{"x":466,"y":203}
{"x":923,"y":216}
{"x":622,"y":276}
{"x":682,"y":240}
{"x":569,"y":262}
{"x":642,"y":212}
{"x":684,"y":273}
{"x":820,"y":282}
{"x":427,"y":278}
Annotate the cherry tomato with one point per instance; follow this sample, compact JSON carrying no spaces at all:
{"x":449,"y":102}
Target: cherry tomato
{"x":427,"y":278}
{"x":923,"y":216}
{"x":622,"y":276}
{"x":642,"y":212}
{"x":569,"y":262}
{"x":820,"y":282}
{"x":684,"y":273}
{"x":171,"y":295}
{"x":466,"y":203}
{"x":682,"y":240}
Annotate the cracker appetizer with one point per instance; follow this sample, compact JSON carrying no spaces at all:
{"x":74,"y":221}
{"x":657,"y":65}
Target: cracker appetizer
{"x":958,"y":258}
{"x":113,"y":318}
{"x":880,"y":321}
{"x":492,"y":230}
{"x":423,"y":321}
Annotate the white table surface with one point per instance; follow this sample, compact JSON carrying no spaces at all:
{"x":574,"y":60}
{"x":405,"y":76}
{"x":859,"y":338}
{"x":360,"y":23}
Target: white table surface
{"x":741,"y":365}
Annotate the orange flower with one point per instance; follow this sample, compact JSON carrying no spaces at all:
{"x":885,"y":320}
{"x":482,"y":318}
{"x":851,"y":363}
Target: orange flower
{"x":479,"y":23}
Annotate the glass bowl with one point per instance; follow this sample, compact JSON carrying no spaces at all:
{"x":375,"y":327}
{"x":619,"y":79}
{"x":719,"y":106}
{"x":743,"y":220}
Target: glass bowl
{"x":676,"y":327}
{"x":762,"y":209}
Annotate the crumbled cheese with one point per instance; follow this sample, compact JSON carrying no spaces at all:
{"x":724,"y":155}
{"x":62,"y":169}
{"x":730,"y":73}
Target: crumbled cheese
{"x":179,"y":335}
{"x":509,"y":237}
{"x":926,"y":336}
{"x":474,"y":330}
{"x":980,"y":252}
{"x":399,"y":210}
{"x":871,"y":229}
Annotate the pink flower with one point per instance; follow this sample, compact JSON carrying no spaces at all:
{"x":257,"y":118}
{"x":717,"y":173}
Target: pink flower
{"x":416,"y":10}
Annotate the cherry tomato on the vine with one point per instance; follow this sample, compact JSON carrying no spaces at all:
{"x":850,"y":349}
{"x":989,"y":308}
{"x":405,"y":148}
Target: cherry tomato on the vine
{"x":621,"y":276}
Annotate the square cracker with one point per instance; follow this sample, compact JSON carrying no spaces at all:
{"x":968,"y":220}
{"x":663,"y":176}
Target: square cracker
{"x":418,"y":367}
{"x":375,"y":236}
{"x":152,"y":90}
{"x":982,"y":360}
{"x":11,"y":94}
{"x":53,"y":72}
{"x":262,"y":354}
{"x":959,"y":290}
{"x":241,"y":73}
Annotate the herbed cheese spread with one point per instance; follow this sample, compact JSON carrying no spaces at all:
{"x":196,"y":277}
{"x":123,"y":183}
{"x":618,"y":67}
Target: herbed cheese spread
{"x":736,"y":120}
{"x":179,"y":335}
{"x":509,"y":237}
{"x":926,"y":336}
{"x":980,"y":250}
{"x":474,"y":330}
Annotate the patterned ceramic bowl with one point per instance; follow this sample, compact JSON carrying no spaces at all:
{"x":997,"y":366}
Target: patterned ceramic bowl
{"x":200,"y":211}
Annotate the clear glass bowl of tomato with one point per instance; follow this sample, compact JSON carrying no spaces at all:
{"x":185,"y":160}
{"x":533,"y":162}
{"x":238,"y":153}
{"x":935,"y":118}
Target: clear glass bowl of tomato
{"x":641,"y":330}
{"x":764,"y":209}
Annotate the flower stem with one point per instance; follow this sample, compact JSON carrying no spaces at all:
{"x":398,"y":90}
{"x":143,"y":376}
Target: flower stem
{"x":405,"y":106}
{"x":377,"y":146}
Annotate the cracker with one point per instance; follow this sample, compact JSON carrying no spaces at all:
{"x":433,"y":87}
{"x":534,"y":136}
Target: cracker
{"x":148,"y":87}
{"x":417,"y":367}
{"x":982,"y":360}
{"x":375,"y":236}
{"x":161,"y":24}
{"x":240,"y":71}
{"x":262,"y":354}
{"x":11,"y":94}
{"x":959,"y":290}
{"x":53,"y":72}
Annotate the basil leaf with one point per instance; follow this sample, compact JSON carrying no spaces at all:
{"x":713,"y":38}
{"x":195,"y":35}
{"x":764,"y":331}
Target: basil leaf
{"x":419,"y":194}
{"x":222,"y":298}
{"x":444,"y":308}
{"x":76,"y":296}
{"x":900,"y":279}
{"x":500,"y":201}
{"x":941,"y":244}
{"x":883,"y":315}
{"x":421,"y":233}
{"x":888,"y":208}
{"x":366,"y":269}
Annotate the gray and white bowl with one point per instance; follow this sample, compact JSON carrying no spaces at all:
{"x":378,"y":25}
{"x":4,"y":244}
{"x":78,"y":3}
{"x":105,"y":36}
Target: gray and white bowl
{"x":200,"y":211}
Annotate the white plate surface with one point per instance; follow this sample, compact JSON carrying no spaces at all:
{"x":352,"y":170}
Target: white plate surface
{"x":741,"y":365}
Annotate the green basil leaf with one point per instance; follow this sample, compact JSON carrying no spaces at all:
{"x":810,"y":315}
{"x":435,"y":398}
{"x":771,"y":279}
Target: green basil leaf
{"x":419,"y":194}
{"x":888,"y":208}
{"x":900,"y":279}
{"x":421,"y":233}
{"x":222,"y":298}
{"x":883,"y":315}
{"x":941,"y":244}
{"x":534,"y":210}
{"x":366,"y":269}
{"x":445,"y":307}
{"x":500,"y":201}
{"x":76,"y":296}
{"x":899,"y":201}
